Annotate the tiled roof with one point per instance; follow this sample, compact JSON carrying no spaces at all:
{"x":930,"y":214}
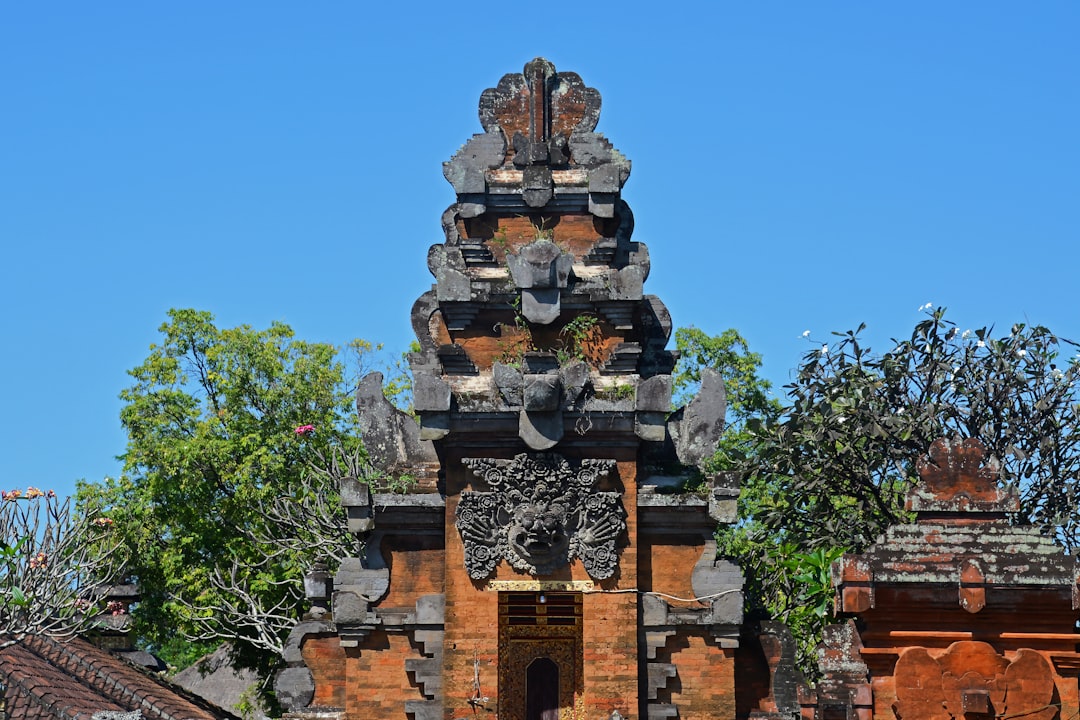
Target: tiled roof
{"x":72,"y":679}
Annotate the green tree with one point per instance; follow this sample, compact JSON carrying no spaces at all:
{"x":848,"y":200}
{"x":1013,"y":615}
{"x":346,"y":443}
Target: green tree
{"x":843,"y":457}
{"x":828,"y":472}
{"x":831,"y":473}
{"x":749,"y":401}
{"x":226,"y":498}
{"x":783,"y":582}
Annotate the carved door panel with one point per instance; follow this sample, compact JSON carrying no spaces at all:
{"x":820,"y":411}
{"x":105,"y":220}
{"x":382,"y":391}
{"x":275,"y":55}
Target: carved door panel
{"x":539,"y":656}
{"x":539,"y":680}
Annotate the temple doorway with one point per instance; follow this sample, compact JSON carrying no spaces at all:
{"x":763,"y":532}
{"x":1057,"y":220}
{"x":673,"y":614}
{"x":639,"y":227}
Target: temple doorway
{"x":542,"y":690}
{"x":539,"y":655}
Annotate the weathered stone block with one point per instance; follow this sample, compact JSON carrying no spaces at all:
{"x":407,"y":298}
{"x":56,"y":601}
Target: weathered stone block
{"x":540,"y":264}
{"x":604,"y":179}
{"x":696,"y":429}
{"x":510,"y":383}
{"x":350,"y":607}
{"x":434,"y":426}
{"x":653,"y":611}
{"x":627,"y":283}
{"x":541,"y":306}
{"x":542,"y":392}
{"x":540,"y":430}
{"x":391,"y":437}
{"x":728,"y":609}
{"x":354,"y":493}
{"x":431,"y":609}
{"x":465,"y":170}
{"x":294,"y":688}
{"x":574,"y":377}
{"x":654,"y":394}
{"x":371,"y":583}
{"x":537,"y":186}
{"x":651,"y":426}
{"x":431,"y":394}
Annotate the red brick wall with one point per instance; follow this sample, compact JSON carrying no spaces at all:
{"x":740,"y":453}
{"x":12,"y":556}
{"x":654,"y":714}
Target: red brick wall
{"x":376,"y":683}
{"x":325,"y":658}
{"x":667,"y":565}
{"x":704,"y":688}
{"x":416,"y":568}
{"x":472,"y":629}
{"x":610,"y":619}
{"x":610,"y":672}
{"x":610,"y":666}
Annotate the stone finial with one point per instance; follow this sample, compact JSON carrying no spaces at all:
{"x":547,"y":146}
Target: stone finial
{"x":955,"y":466}
{"x":535,"y":123}
{"x":391,"y":437}
{"x":538,"y":110}
{"x":958,"y":477}
{"x":696,"y":429}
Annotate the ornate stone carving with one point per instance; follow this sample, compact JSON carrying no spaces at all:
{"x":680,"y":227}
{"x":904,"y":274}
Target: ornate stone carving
{"x":539,"y":513}
{"x":972,"y":680}
{"x":958,"y":477}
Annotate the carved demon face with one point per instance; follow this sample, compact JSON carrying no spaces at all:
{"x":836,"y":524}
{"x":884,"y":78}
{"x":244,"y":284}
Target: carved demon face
{"x":540,"y":513}
{"x":538,"y":533}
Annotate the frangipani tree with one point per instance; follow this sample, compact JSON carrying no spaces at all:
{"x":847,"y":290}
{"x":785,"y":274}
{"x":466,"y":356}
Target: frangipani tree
{"x":53,"y":564}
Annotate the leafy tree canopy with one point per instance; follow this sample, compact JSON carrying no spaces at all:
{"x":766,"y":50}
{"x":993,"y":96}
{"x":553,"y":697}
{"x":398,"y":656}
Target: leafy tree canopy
{"x":750,"y":404}
{"x":830,"y":470}
{"x":225,"y":498}
{"x":843,"y":456}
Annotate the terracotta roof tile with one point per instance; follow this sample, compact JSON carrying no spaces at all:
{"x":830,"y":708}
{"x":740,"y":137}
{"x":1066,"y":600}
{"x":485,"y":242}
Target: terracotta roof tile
{"x":72,"y":679}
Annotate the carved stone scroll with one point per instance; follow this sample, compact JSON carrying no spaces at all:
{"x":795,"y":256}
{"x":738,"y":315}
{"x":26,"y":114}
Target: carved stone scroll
{"x":539,"y":513}
{"x":972,"y":680}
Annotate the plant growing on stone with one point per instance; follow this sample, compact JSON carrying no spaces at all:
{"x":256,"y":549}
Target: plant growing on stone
{"x":512,"y":349}
{"x":499,"y":241}
{"x":541,"y":229}
{"x":581,"y":339}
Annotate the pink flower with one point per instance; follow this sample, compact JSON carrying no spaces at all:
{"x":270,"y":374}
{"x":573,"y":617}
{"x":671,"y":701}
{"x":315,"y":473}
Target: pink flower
{"x":33,"y":492}
{"x":115,"y":607}
{"x":102,"y":522}
{"x":39,"y":560}
{"x":305,"y":429}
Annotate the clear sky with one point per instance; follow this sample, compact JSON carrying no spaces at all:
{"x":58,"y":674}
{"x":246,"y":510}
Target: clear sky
{"x":797,"y":166}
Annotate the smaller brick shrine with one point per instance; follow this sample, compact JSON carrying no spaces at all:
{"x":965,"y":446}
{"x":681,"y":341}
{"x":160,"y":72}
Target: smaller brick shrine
{"x":961,"y":614}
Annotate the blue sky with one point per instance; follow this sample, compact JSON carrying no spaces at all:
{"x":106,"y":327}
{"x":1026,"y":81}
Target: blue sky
{"x":797,"y":166}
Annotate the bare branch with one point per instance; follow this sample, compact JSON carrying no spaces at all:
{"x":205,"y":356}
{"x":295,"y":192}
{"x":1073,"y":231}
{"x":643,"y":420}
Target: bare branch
{"x":52,"y":565}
